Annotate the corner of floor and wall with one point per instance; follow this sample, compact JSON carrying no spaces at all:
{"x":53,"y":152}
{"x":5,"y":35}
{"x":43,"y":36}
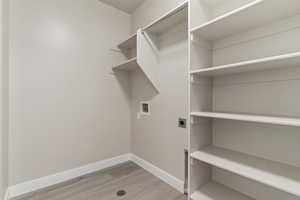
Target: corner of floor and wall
{"x":68,"y":114}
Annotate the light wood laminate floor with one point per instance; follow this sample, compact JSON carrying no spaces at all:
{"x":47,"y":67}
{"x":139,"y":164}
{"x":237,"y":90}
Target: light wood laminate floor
{"x":103,"y":185}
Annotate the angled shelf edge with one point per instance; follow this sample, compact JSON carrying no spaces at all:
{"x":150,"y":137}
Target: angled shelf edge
{"x":128,"y":65}
{"x":130,"y":43}
{"x":268,"y":63}
{"x":216,"y":191}
{"x":278,"y":175}
{"x":250,"y":118}
{"x":143,"y":59}
{"x":234,"y":22}
{"x":173,"y":17}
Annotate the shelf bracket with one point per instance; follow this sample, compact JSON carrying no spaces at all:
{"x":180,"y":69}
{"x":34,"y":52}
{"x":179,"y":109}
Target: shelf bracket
{"x":195,"y":120}
{"x":152,"y":44}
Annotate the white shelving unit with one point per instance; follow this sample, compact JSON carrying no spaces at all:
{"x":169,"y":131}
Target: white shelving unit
{"x":250,"y":118}
{"x":215,"y":191}
{"x":269,"y":63}
{"x":254,"y":14}
{"x":139,"y":48}
{"x":244,"y":59}
{"x":127,"y":65}
{"x":275,"y":174}
{"x":139,"y":56}
{"x":129,"y":49}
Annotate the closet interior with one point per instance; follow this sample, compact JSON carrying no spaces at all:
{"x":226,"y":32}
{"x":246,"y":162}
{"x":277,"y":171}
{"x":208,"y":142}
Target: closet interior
{"x":233,"y":110}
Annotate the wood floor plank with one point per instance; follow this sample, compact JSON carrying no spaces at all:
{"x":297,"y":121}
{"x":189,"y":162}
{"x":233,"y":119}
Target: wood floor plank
{"x":104,"y":184}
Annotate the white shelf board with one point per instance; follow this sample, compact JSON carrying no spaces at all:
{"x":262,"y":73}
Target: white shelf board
{"x":254,"y":14}
{"x":250,"y":118}
{"x":281,"y":61}
{"x":280,"y":176}
{"x":130,"y":43}
{"x":170,"y":19}
{"x":216,"y":191}
{"x":128,"y":65}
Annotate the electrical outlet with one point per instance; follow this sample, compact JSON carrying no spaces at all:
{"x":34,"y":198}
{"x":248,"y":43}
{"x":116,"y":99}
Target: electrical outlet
{"x":182,"y":123}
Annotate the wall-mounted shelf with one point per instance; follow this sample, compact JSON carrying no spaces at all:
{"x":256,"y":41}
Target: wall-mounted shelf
{"x":237,"y":122}
{"x":281,"y":61}
{"x":215,"y":191}
{"x":169,"y":20}
{"x":250,"y":118}
{"x":141,"y":56}
{"x":130,"y":43}
{"x":281,"y":176}
{"x":139,"y":50}
{"x":252,"y":15}
{"x":128,"y":65}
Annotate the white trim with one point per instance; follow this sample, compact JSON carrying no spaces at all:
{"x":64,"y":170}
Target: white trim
{"x":43,"y":182}
{"x":159,"y":173}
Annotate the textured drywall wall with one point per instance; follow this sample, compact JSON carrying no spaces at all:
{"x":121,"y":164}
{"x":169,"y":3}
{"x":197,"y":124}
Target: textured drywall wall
{"x":157,"y":138}
{"x":66,"y":107}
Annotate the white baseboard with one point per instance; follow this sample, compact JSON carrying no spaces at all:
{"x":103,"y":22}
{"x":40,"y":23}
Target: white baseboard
{"x":161,"y":174}
{"x":43,"y":182}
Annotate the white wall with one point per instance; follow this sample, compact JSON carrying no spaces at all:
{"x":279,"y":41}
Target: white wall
{"x":151,"y":10}
{"x":157,"y":138}
{"x":4,"y":98}
{"x":66,"y":107}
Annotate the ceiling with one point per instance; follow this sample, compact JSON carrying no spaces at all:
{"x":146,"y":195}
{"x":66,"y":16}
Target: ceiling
{"x":125,"y":5}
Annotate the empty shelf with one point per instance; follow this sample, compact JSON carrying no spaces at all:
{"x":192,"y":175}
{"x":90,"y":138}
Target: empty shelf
{"x":127,"y":65}
{"x":252,"y":15}
{"x":215,"y":191}
{"x":282,"y":61}
{"x":130,"y":43}
{"x":167,"y":21}
{"x":281,"y":176}
{"x":250,"y":118}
